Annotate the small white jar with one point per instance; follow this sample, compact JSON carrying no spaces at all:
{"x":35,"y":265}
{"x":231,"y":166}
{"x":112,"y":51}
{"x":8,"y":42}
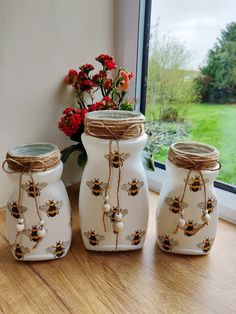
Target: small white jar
{"x":39,"y":219}
{"x":105,"y":224}
{"x":187,"y":211}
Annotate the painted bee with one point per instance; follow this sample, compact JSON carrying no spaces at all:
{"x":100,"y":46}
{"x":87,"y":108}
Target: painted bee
{"x":167,"y":243}
{"x":136,"y":237}
{"x":32,"y":233}
{"x":20,"y":251}
{"x":132,"y":187}
{"x":196,"y":184}
{"x":115,"y":210}
{"x":96,"y":187}
{"x":192,"y":228}
{"x":206,"y":245}
{"x":94,"y":239}
{"x":210,"y":205}
{"x":58,"y":250}
{"x":33,"y":190}
{"x":117,"y":158}
{"x":175,"y":204}
{"x":15,"y":210}
{"x":51,"y":207}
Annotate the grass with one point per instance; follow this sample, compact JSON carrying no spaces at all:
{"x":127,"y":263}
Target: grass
{"x":212,"y":124}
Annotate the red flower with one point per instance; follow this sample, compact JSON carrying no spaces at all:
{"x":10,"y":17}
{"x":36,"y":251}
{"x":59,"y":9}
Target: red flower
{"x":85,"y":85}
{"x":70,"y":124}
{"x":123,"y":81}
{"x":70,"y":76}
{"x":70,"y":111}
{"x":110,"y":64}
{"x":87,"y":68}
{"x":92,"y":107}
{"x":130,"y":75}
{"x":108,"y":83}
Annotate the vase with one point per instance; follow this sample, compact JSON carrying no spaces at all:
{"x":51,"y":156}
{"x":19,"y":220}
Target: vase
{"x":187,"y":211}
{"x":113,"y":201}
{"x":38,"y":217}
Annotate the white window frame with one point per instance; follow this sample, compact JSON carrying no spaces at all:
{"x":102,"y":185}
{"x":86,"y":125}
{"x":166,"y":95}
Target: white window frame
{"x":129,"y":30}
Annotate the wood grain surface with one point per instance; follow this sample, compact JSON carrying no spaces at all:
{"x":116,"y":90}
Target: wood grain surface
{"x":144,"y":281}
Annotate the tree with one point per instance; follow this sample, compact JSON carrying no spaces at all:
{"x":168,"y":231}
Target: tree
{"x":217,"y":79}
{"x":170,"y":85}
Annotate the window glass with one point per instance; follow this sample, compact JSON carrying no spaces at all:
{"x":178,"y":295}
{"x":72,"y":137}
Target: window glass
{"x":191,"y":90}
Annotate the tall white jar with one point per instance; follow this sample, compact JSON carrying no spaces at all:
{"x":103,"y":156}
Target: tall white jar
{"x":113,"y":201}
{"x":38,"y":216}
{"x":187,"y":211}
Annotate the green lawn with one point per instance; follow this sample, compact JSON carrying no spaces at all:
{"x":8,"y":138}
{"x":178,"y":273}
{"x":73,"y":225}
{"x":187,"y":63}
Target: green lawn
{"x":215,"y":125}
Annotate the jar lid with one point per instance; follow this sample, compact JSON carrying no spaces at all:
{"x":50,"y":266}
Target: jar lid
{"x":34,"y":157}
{"x":114,"y":124}
{"x":194,"y":155}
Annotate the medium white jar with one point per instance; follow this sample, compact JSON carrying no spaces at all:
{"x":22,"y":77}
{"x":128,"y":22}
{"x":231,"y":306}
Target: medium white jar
{"x":38,"y":216}
{"x":187,"y":211}
{"x":113,"y":201}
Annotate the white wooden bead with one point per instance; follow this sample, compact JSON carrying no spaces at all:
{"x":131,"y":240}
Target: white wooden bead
{"x":20,"y":227}
{"x":106,"y":197}
{"x":118,"y":226}
{"x":42,"y":222}
{"x":106,"y":207}
{"x":21,"y":220}
{"x":42,"y":233}
{"x":206,"y":217}
{"x":180,"y":222}
{"x":118,"y":217}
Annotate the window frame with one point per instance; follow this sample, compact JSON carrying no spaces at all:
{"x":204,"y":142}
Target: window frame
{"x":140,"y":31}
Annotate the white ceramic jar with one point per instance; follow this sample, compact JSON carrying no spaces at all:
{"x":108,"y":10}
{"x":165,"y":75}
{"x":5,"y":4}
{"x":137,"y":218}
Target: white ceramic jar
{"x":38,"y":216}
{"x":113,"y":201}
{"x":187,"y":211}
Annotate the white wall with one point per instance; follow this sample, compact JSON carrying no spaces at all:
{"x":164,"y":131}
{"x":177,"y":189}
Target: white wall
{"x":39,"y":42}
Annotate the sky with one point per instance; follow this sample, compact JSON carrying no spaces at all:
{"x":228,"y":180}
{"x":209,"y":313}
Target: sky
{"x":197,"y":23}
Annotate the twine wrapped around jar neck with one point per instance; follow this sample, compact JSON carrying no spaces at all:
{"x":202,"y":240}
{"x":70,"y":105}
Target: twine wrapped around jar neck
{"x":118,"y":125}
{"x":194,"y":156}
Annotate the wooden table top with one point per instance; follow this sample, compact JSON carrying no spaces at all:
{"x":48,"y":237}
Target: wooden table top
{"x":144,"y":281}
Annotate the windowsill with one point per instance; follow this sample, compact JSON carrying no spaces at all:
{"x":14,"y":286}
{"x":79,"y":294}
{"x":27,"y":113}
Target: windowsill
{"x":227,"y":200}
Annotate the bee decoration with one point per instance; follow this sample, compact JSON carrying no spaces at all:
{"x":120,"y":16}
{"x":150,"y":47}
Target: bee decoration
{"x":117,"y":158}
{"x":20,"y":251}
{"x":192,"y":228}
{"x":206,"y":245}
{"x":175,"y":205}
{"x":33,"y":190}
{"x":97,"y":187}
{"x":94,"y":239}
{"x":196,"y":184}
{"x":32,"y":233}
{"x":210,"y":205}
{"x":132,"y":187}
{"x":58,"y":250}
{"x":51,"y":207}
{"x":136,"y":237}
{"x":15,"y":209}
{"x":167,"y":243}
{"x":114,"y":210}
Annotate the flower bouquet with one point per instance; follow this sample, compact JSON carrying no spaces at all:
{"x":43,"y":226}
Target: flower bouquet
{"x":109,"y":85}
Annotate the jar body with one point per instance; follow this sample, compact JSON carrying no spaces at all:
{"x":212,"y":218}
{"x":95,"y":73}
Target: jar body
{"x":197,"y":236}
{"x":54,"y":209}
{"x":133,"y":201}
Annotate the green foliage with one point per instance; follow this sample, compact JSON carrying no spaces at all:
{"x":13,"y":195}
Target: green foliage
{"x":170,"y":86}
{"x":217,"y":79}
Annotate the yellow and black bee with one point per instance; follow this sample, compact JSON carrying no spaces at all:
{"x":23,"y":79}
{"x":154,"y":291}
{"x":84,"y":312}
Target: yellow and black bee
{"x":136,"y":237}
{"x":192,"y":228}
{"x":167,"y":243}
{"x":51,"y":207}
{"x":97,"y":187}
{"x":15,"y":209}
{"x":33,"y":190}
{"x":206,"y":245}
{"x":94,"y":239}
{"x":20,"y":251}
{"x":132,"y":187}
{"x":175,"y":204}
{"x":210,"y":205}
{"x":196,"y":183}
{"x":32,"y":233}
{"x":58,"y":250}
{"x":114,"y":211}
{"x":117,"y":158}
